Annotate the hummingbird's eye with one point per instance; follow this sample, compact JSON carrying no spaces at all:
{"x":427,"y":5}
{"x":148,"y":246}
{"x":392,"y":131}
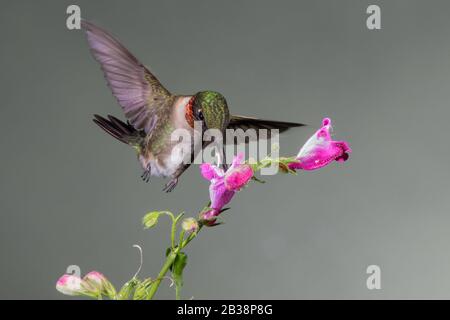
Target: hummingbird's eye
{"x":200,"y":114}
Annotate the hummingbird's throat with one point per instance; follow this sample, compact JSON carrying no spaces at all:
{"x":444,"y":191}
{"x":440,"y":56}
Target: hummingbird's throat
{"x":189,"y":114}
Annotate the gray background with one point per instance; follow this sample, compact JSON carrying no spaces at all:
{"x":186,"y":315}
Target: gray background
{"x":70,"y":194}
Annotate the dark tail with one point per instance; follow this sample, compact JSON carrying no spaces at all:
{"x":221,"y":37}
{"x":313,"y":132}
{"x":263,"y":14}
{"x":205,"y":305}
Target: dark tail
{"x":120,"y":130}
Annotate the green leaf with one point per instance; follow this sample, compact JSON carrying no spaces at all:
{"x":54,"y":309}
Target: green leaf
{"x":127,"y":289}
{"x":177,"y":271}
{"x":151,"y":219}
{"x":179,"y":264}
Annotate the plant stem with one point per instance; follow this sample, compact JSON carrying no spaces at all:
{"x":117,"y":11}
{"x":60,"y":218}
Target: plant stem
{"x":165,"y":268}
{"x":191,"y":237}
{"x":177,"y":293}
{"x":169,"y":261}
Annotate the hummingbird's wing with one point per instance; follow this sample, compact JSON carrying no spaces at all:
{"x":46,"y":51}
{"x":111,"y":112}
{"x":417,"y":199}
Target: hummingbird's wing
{"x":244,"y":123}
{"x":138,"y":91}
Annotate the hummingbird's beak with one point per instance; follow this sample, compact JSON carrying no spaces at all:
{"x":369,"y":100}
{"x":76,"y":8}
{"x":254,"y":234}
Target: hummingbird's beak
{"x":224,"y":164}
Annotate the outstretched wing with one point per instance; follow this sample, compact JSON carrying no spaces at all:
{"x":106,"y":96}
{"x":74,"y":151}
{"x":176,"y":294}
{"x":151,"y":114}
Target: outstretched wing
{"x":244,"y":123}
{"x":138,"y":92}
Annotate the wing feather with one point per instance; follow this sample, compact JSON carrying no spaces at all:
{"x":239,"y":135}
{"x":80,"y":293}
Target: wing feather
{"x":138,"y":91}
{"x":245,"y":123}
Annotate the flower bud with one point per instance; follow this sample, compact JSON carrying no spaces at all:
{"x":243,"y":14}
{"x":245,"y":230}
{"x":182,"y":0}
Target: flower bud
{"x":95,"y":278}
{"x":189,"y":225}
{"x":96,"y":283}
{"x":70,"y":285}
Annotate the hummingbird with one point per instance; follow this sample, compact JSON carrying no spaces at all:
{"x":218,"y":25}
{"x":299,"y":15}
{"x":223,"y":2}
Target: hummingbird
{"x":153,"y":113}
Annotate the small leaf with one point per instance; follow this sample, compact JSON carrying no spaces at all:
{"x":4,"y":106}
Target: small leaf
{"x":215,"y":224}
{"x":151,"y":219}
{"x":258,"y":180}
{"x":179,"y":264}
{"x":177,"y":270}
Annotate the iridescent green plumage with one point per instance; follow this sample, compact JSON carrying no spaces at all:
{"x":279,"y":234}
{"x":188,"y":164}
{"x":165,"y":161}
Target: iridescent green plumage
{"x":214,"y":108}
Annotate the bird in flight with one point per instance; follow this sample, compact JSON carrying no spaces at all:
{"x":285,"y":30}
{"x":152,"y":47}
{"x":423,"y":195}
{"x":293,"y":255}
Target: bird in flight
{"x":153,"y":113}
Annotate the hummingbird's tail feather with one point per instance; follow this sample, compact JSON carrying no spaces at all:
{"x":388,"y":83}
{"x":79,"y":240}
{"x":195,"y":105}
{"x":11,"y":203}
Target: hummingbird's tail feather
{"x":120,"y":130}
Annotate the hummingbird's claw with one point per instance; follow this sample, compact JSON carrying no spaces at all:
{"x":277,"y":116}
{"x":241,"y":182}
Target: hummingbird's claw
{"x":171,"y":185}
{"x":146,"y":174}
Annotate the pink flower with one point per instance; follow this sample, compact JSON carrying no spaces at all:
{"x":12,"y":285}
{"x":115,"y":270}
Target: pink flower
{"x":224,"y":184}
{"x":70,"y":285}
{"x":320,"y":150}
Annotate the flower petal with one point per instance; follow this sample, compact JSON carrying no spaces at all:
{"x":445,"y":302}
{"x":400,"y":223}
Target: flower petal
{"x":237,"y":160}
{"x":210,"y":171}
{"x":219,"y":194}
{"x":238,"y":177}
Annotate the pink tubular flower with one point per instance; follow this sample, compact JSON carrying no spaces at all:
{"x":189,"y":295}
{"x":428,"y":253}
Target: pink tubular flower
{"x":320,"y":150}
{"x":224,"y":184}
{"x":70,"y":285}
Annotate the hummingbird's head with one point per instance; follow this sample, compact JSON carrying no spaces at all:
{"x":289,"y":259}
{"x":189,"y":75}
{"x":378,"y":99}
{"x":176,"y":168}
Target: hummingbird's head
{"x":211,"y":108}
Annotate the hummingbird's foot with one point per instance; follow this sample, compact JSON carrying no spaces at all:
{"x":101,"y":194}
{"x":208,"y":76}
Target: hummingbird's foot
{"x":146,"y":175}
{"x":171,"y":185}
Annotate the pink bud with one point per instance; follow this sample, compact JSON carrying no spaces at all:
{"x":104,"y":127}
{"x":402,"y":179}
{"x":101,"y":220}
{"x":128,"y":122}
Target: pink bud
{"x":95,"y":278}
{"x":70,"y":285}
{"x":190,"y":225}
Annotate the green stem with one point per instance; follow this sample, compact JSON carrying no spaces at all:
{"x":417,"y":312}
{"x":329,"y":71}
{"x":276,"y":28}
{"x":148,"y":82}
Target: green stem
{"x":165,"y":268}
{"x":174,"y":229}
{"x":191,"y":237}
{"x":172,"y":234}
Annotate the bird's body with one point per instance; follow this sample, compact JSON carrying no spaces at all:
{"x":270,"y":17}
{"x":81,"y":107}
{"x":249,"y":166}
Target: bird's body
{"x":159,"y":152}
{"x":155,"y":151}
{"x":154,"y":114}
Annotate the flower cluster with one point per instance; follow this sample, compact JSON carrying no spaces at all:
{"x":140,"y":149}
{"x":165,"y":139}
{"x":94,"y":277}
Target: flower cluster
{"x":94,"y":284}
{"x":319,"y":151}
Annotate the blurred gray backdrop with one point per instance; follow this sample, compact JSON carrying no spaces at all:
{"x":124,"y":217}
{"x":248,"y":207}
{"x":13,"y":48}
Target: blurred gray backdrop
{"x":70,"y":194}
